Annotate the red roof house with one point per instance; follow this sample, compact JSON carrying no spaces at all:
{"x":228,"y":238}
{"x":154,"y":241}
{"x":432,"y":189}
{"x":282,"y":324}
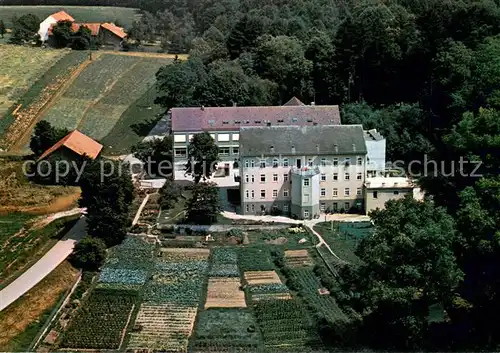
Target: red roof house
{"x":76,"y":142}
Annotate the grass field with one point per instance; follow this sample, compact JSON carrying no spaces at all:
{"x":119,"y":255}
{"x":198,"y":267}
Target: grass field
{"x":21,"y":66}
{"x":19,"y":249}
{"x":121,"y":15}
{"x":104,"y":93}
{"x":21,"y":321}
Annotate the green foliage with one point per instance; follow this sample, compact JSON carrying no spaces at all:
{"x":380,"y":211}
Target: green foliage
{"x":156,"y":154}
{"x":24,"y":28}
{"x":3,"y":29}
{"x":170,"y":194}
{"x":254,"y":259}
{"x":204,"y":205}
{"x":45,"y":136}
{"x":107,"y":193}
{"x":204,"y":155}
{"x":224,"y":263}
{"x":100,"y":322}
{"x":89,"y":254}
{"x":62,"y":33}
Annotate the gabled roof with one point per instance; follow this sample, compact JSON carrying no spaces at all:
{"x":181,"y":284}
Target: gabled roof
{"x":302,"y":140}
{"x":293,"y":101}
{"x":77,"y":142}
{"x":117,"y":31}
{"x":94,"y":27}
{"x":232,"y":118}
{"x":62,"y":16}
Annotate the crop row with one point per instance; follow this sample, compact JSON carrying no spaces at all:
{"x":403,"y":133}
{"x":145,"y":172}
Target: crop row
{"x":100,"y":322}
{"x":255,"y":259}
{"x":224,"y":263}
{"x":123,"y":276}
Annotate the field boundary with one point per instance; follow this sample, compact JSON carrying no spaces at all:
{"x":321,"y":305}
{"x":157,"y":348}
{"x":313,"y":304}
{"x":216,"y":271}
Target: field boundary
{"x":23,"y":139}
{"x":53,"y":315}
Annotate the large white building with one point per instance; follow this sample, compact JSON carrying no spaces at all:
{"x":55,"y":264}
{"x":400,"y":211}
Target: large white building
{"x":50,"y":21}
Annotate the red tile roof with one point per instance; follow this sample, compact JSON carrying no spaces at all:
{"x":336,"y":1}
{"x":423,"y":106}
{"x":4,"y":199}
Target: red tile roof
{"x":62,"y":16}
{"x":232,"y":118}
{"x":78,"y":143}
{"x":117,"y":31}
{"x":94,"y":27}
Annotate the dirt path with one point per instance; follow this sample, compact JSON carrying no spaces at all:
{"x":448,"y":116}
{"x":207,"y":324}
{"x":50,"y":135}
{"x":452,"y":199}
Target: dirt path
{"x":24,"y":138}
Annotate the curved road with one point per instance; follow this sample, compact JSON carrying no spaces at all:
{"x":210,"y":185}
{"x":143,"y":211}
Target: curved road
{"x":44,"y":266}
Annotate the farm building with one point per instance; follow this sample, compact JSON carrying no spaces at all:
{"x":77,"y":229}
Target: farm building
{"x":105,"y":33}
{"x":72,"y":145}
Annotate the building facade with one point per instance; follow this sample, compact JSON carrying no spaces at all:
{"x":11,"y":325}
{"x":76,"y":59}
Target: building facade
{"x":302,"y":171}
{"x":379,"y":190}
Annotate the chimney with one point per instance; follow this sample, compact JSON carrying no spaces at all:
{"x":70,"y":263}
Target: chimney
{"x":202,"y":107}
{"x":272,"y":149}
{"x":336,"y":148}
{"x":317,"y":148}
{"x":293,"y":149}
{"x":354,"y":147}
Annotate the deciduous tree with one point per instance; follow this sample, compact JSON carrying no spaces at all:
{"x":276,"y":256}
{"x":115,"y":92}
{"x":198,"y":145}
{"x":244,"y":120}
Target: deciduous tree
{"x":204,"y":205}
{"x":203,"y":156}
{"x":89,"y":254}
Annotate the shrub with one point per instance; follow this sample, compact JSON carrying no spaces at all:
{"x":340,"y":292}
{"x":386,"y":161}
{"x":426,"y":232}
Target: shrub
{"x":89,"y":254}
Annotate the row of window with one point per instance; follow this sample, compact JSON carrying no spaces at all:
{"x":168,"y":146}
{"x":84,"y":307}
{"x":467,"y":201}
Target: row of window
{"x":335,"y":177}
{"x":252,"y":207}
{"x":221,"y":137}
{"x":250,"y":163}
{"x":322,"y":208}
{"x":250,"y":194}
{"x":223,"y":151}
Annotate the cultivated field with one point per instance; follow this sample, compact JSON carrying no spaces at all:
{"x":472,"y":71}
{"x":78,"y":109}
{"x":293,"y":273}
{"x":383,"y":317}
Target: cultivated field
{"x":97,"y":98}
{"x":226,"y":330}
{"x":225,"y":292}
{"x":20,"y":67}
{"x":120,"y":15}
{"x":298,"y":258}
{"x":100,"y":323}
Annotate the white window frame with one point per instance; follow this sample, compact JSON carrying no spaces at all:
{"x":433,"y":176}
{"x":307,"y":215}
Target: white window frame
{"x":246,"y":163}
{"x":322,"y":207}
{"x":253,"y":178}
{"x":247,"y":194}
{"x":179,"y":138}
{"x":285,"y":193}
{"x":359,"y":176}
{"x":252,"y":163}
{"x":347,"y":176}
{"x":262,"y":194}
{"x":309,"y":162}
{"x":262,"y":163}
{"x":322,"y":192}
{"x":237,"y":150}
{"x":358,"y":191}
{"x":347,"y":192}
{"x":180,"y":155}
{"x":275,"y":193}
{"x":275,"y":177}
{"x":246,"y":178}
{"x":285,"y":177}
{"x":323,"y":162}
{"x":306,"y":213}
{"x":335,"y":177}
{"x":262,"y":181}
{"x":285,"y":162}
{"x":306,"y":182}
{"x":223,"y":137}
{"x":276,"y":163}
{"x":285,"y":208}
{"x":359,"y":160}
{"x":224,"y":154}
{"x":247,"y":208}
{"x":252,"y":192}
{"x":323,"y":177}
{"x":335,"y":161}
{"x":335,"y":192}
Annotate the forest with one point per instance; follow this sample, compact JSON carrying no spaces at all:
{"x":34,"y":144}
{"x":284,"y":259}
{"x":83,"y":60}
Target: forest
{"x":426,"y":74}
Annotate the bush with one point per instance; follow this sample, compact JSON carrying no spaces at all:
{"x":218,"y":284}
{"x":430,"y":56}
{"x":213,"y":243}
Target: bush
{"x":89,"y":254}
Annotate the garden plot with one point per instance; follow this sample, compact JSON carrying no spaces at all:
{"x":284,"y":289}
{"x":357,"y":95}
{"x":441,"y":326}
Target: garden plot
{"x":270,"y":296}
{"x":224,"y":263}
{"x":164,"y":327}
{"x":101,"y":322}
{"x":286,"y":325}
{"x":298,"y":258}
{"x":225,"y":292}
{"x":226,"y":330}
{"x":264,"y":282}
{"x":255,"y":259}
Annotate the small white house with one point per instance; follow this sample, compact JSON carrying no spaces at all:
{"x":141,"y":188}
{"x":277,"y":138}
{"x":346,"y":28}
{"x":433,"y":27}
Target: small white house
{"x":43,"y":32}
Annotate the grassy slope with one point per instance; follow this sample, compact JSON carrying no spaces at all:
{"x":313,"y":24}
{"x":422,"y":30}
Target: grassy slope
{"x":20,"y":253}
{"x":21,"y":321}
{"x":124,"y":16}
{"x":60,"y":68}
{"x":134,"y":124}
{"x":343,"y":246}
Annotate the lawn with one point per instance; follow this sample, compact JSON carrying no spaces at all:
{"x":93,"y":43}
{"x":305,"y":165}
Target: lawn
{"x":21,"y":321}
{"x":342,"y":242}
{"x":112,"y":88}
{"x":120,"y":15}
{"x":283,"y":238}
{"x":226,"y":330}
{"x":21,"y":66}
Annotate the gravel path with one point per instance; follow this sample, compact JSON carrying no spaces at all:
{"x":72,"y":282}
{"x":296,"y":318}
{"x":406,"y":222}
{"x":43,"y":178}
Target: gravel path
{"x":43,"y":267}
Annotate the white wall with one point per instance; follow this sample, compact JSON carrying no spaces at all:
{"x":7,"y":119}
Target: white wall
{"x":43,"y":32}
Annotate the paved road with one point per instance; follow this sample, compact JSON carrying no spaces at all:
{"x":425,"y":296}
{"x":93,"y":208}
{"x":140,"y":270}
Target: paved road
{"x":43,"y":267}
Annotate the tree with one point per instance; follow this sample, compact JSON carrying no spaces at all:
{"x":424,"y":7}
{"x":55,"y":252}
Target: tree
{"x":244,"y":35}
{"x":62,"y":33}
{"x":203,"y":156}
{"x":170,"y":193}
{"x":89,"y":254}
{"x":281,"y":59}
{"x":3,"y":29}
{"x":45,"y":136}
{"x":204,"y":205}
{"x":408,"y":265}
{"x":156,"y":154}
{"x":82,"y":39}
{"x":24,"y":28}
{"x":107,"y":193}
